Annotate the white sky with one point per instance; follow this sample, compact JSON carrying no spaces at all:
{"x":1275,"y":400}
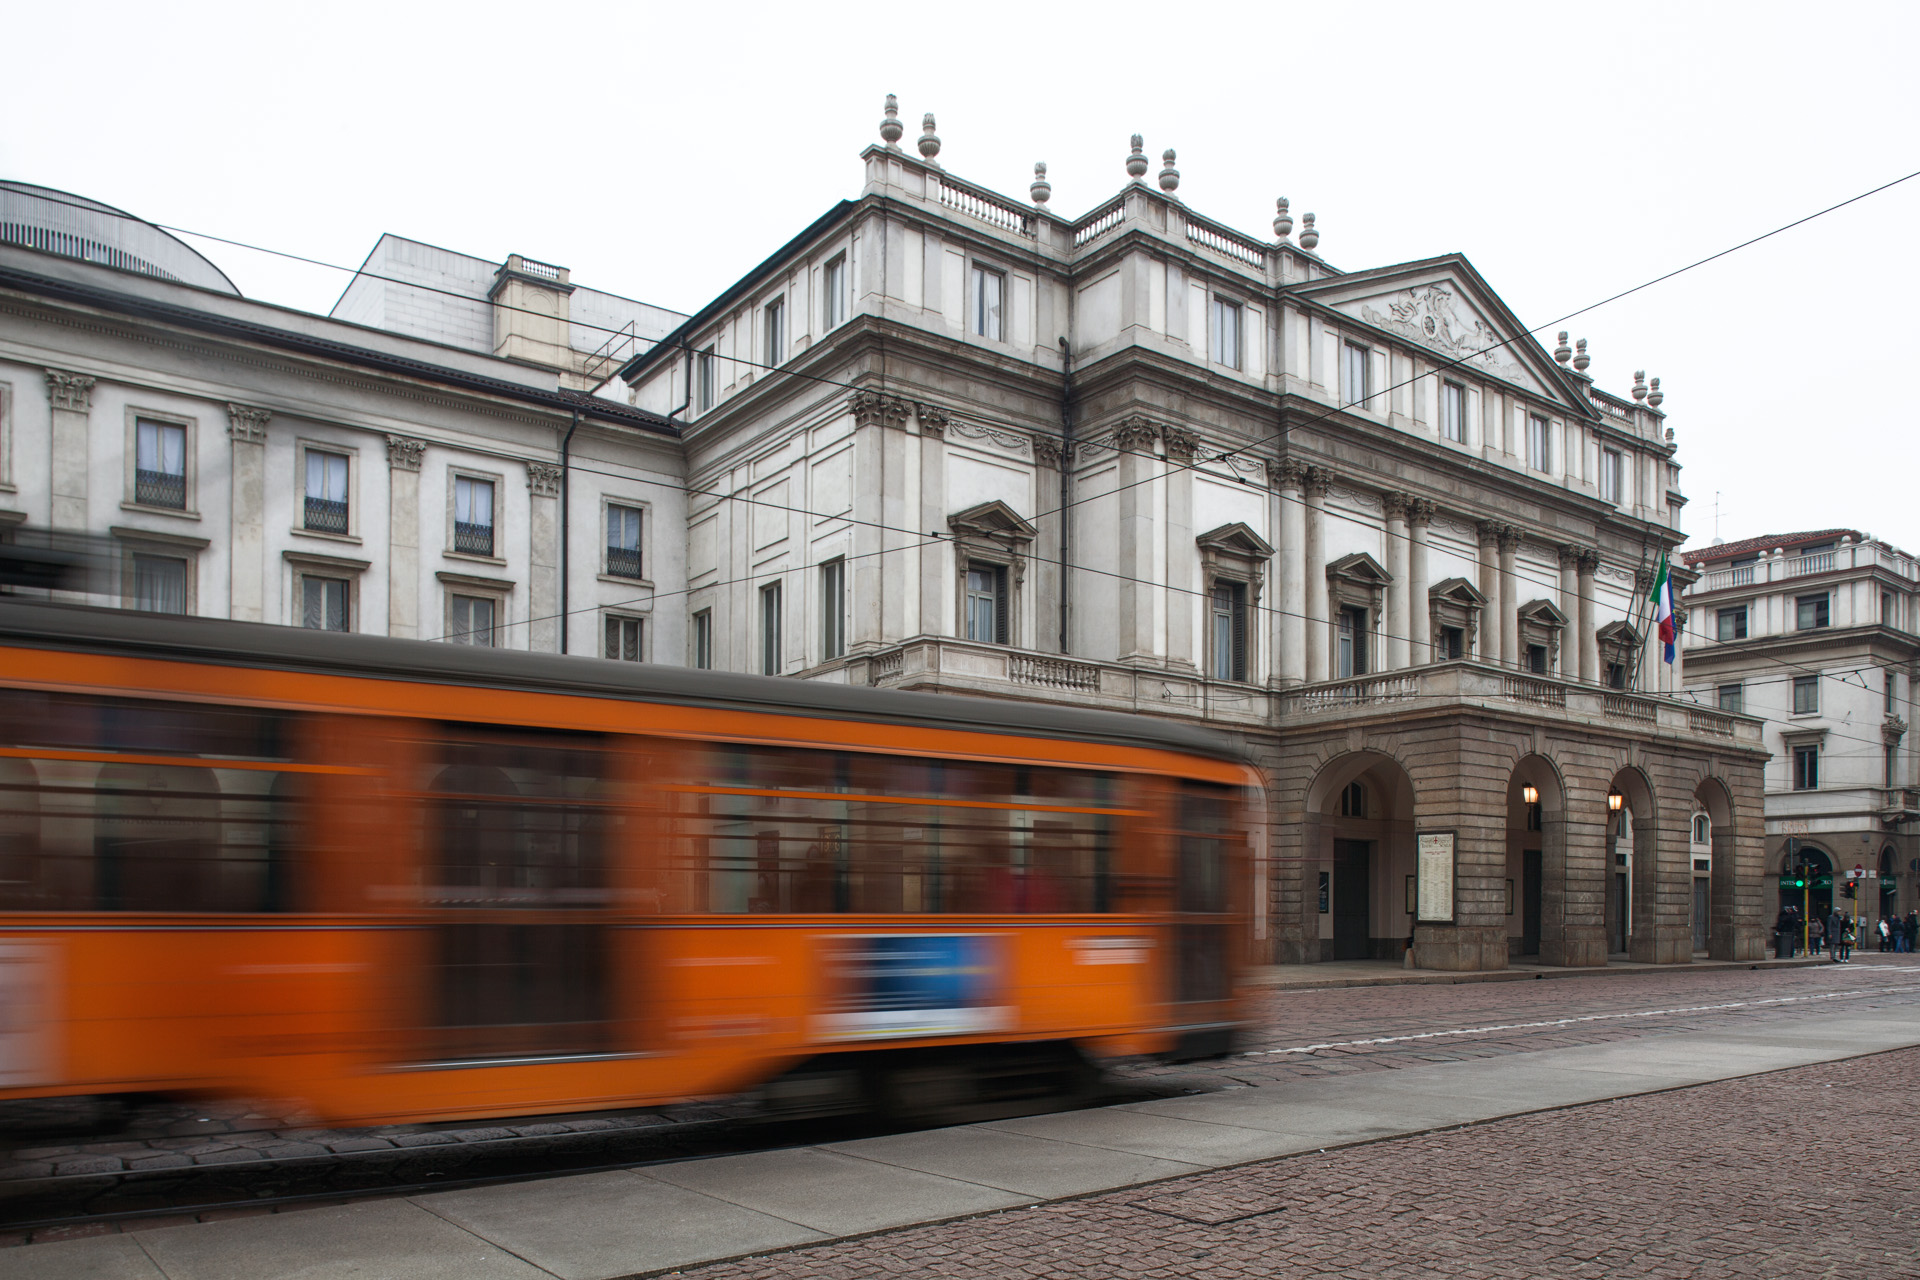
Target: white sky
{"x":1569,"y":150}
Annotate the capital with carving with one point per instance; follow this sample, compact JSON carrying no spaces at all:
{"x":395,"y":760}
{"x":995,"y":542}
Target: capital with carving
{"x":1050,"y":450}
{"x":1396,"y":505}
{"x":1319,"y":481}
{"x":1589,"y":562}
{"x":1569,"y":557}
{"x":1421,"y":511}
{"x":543,"y":479}
{"x":1289,"y":474}
{"x":247,"y":425}
{"x":1182,"y":444}
{"x":1509,"y":537}
{"x":1892,"y":730}
{"x":933,"y":419}
{"x":70,"y":391}
{"x":1489,"y":532}
{"x":877,"y":408}
{"x":1135,"y":435}
{"x":404,"y":452}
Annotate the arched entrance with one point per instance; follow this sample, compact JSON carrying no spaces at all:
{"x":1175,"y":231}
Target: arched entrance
{"x":1536,"y":885}
{"x":1813,"y":865}
{"x":1713,"y":871}
{"x":1359,"y":853}
{"x":1631,"y":827}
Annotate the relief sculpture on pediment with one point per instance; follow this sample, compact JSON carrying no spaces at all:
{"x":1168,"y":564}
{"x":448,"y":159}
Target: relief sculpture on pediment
{"x":1435,"y":316}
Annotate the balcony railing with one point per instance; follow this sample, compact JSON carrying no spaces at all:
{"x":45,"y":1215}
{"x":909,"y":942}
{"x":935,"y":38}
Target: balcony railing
{"x":324,"y":515}
{"x":160,"y":489}
{"x":623,"y":562}
{"x":1100,"y":222}
{"x":472,"y":539}
{"x":1802,"y":566}
{"x":985,"y":205}
{"x":1054,"y":673}
{"x":1721,"y":579}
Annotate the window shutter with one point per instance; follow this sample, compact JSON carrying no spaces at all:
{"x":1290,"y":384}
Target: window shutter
{"x":1000,"y":609}
{"x":1239,"y":596}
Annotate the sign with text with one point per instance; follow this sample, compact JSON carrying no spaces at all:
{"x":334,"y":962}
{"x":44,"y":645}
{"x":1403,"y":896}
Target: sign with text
{"x":897,"y":985}
{"x":1435,"y":860}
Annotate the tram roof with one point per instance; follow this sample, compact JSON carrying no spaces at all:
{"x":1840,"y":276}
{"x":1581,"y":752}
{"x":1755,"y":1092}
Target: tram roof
{"x":253,"y":644}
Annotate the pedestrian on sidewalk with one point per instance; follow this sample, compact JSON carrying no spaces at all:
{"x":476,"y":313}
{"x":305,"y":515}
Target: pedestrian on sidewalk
{"x":1911,"y":934}
{"x":1786,"y":932}
{"x":1816,"y":936}
{"x":1846,"y":939}
{"x":1886,"y":934}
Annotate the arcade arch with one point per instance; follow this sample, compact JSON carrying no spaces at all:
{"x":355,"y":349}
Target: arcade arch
{"x":1537,"y":861}
{"x":1359,"y":850}
{"x":1714,"y":894}
{"x":1630,"y":867}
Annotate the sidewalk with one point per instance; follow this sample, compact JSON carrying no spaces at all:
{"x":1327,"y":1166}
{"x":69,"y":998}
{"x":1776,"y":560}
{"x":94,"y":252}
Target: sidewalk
{"x":641,"y":1221}
{"x":1392,"y":973}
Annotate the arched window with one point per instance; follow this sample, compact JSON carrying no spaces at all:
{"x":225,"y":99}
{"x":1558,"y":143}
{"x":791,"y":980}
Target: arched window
{"x":1702,"y":829}
{"x":1353,"y":801}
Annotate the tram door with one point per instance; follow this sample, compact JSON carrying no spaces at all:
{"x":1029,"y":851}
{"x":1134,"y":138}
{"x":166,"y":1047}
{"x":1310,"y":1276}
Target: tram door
{"x":1352,"y":898}
{"x":517,"y":890}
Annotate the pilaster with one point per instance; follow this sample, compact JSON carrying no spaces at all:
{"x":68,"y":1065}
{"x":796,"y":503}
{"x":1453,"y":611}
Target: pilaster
{"x":1399,"y":564}
{"x":1182,"y":599}
{"x":1291,"y":632}
{"x":71,"y":397}
{"x":937,"y":588}
{"x":1138,"y":471}
{"x":403,"y":536}
{"x":246,"y":560}
{"x":543,"y":559}
{"x":1586,"y":565}
{"x":1509,"y":543}
{"x":1420,"y":514}
{"x":1319,"y":480}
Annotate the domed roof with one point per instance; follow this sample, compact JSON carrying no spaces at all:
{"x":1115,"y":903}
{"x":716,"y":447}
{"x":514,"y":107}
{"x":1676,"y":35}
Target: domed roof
{"x":72,"y":226}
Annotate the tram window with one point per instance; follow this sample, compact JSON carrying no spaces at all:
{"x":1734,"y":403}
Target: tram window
{"x":520,"y":822}
{"x":30,"y":717}
{"x":1204,"y":821}
{"x":820,"y":832}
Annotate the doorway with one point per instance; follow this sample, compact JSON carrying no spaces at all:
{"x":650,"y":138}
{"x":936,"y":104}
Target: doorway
{"x":1530,"y":869}
{"x":1700,"y":913}
{"x":1352,"y":898}
{"x":1617,"y":913}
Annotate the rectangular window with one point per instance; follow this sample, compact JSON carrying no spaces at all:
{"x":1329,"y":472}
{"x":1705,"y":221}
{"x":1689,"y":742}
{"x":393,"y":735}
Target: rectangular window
{"x":770,"y":629}
{"x":1224,"y":333}
{"x":1806,"y":768}
{"x":1353,"y":643}
{"x":1453,"y":412}
{"x":833,"y":293}
{"x":1732,"y":698}
{"x":1616,"y":675}
{"x":472,"y":516}
{"x":1893,"y":692}
{"x":989,"y":293}
{"x":323,"y":603}
{"x":833,"y":609}
{"x":1733,"y":623}
{"x":776,"y":330}
{"x":703,"y":640}
{"x":159,"y":584}
{"x":623,"y":541}
{"x":160,"y":465}
{"x":1453,"y":642}
{"x":1806,"y":695}
{"x":1353,"y":374}
{"x":1537,"y":659}
{"x":1229,"y":631}
{"x":471,"y":620}
{"x":1810,"y":612}
{"x":1887,"y":611}
{"x":986,"y":603}
{"x":1611,"y":467}
{"x":326,"y":507}
{"x":705,"y":375}
{"x":1539,"y":443}
{"x":624,"y":636}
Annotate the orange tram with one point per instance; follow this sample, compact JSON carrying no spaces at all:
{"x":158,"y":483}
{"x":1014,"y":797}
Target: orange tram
{"x":368,"y":880}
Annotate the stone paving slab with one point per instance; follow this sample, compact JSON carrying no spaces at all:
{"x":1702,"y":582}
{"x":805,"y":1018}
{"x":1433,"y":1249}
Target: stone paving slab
{"x":595,"y":1227}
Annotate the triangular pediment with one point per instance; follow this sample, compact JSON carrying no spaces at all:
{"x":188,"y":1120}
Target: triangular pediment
{"x":1360,"y":567}
{"x":1236,"y":539}
{"x":989,"y":519}
{"x":1617,"y":633}
{"x":1543,"y":611}
{"x":1458,"y":591}
{"x":1446,"y":307}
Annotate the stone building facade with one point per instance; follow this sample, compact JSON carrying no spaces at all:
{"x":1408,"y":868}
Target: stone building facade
{"x":1815,"y":632}
{"x":947,"y":440}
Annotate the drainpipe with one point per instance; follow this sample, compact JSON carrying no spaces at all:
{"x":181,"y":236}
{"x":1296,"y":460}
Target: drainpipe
{"x":1066,"y":486}
{"x":566,"y":509}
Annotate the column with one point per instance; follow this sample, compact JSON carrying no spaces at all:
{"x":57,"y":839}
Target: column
{"x":1419,"y":582}
{"x":403,"y":537}
{"x":71,"y":395}
{"x":1509,"y":597}
{"x":1490,"y":629}
{"x":1399,"y":558}
{"x":1291,"y":656}
{"x":1650,"y":647}
{"x":246,"y":553}
{"x":875,"y":416}
{"x":1182,"y":594}
{"x":937,"y":589}
{"x":1139,"y":590}
{"x":1319,"y":480}
{"x":543,"y":577}
{"x":1587,"y":565}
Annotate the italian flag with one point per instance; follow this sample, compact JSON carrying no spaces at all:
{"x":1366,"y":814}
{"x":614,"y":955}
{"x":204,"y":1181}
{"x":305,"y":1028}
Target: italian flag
{"x":1663,"y":609}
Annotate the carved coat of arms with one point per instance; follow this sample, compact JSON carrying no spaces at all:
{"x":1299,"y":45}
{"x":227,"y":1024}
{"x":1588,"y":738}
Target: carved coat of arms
{"x":1435,"y":316}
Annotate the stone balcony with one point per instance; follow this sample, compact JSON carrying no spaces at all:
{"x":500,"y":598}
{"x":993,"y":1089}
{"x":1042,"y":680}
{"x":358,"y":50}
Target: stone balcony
{"x":945,"y":665}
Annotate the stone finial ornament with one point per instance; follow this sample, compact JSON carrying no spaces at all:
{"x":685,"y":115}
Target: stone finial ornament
{"x":1669,"y":435}
{"x":1654,"y":397}
{"x":1041,"y":190}
{"x":1137,"y":161}
{"x":929,"y":140}
{"x":1283,"y":220}
{"x":890,"y":126}
{"x":1580,"y":357}
{"x":1639,"y":384}
{"x":1309,"y":236}
{"x":1169,"y":176}
{"x":1563,"y":352}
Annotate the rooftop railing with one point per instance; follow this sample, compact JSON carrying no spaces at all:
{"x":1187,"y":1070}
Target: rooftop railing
{"x":980,"y":203}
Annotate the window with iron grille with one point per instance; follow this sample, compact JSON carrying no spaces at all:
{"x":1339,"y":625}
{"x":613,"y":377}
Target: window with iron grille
{"x":324,"y":603}
{"x":833,"y":609}
{"x":623,"y":541}
{"x":326,"y":505}
{"x":1229,"y":631}
{"x":986,"y":602}
{"x":472,"y":516}
{"x":624,"y":636}
{"x":160,"y":464}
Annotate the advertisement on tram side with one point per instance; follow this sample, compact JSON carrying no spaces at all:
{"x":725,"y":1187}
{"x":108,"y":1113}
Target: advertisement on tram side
{"x":898,"y":985}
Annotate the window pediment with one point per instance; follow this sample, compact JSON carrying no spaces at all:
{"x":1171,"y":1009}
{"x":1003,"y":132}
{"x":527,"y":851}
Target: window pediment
{"x":1236,"y":539}
{"x":1543,"y":613}
{"x":1457,"y":591}
{"x":994,"y":520}
{"x":1621,"y":634}
{"x":1359,"y":569}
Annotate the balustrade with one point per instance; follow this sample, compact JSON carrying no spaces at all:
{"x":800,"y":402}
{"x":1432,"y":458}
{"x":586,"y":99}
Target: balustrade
{"x":1054,"y":673}
{"x":1226,"y":242}
{"x":986,"y":207}
{"x":1099,"y":223}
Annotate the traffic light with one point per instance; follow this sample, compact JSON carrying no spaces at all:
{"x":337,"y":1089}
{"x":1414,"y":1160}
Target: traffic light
{"x":1850,"y":890}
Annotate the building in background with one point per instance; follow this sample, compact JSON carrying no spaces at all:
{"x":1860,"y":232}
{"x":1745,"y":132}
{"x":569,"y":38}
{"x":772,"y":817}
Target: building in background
{"x":1815,"y":632}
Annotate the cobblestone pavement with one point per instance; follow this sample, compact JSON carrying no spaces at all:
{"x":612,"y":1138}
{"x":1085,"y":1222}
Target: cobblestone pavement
{"x":178,"y":1157}
{"x":1808,"y":1172}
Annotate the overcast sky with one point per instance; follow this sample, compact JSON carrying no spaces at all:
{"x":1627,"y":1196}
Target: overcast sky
{"x":1570,"y":151}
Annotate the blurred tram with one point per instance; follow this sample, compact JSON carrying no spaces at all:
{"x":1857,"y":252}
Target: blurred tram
{"x":363,"y":879}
